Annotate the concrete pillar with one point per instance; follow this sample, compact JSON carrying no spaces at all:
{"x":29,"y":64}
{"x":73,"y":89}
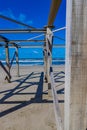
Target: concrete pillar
{"x":76,"y":66}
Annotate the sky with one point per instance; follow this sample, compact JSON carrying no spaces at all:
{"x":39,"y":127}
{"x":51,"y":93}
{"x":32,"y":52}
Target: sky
{"x":32,"y":12}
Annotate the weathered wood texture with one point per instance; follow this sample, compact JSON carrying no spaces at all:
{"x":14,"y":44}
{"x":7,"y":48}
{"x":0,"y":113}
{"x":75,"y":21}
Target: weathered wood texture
{"x":7,"y":62}
{"x":17,"y":61}
{"x":53,"y":11}
{"x":49,"y":43}
{"x":48,"y":53}
{"x":48,"y":58}
{"x":76,"y":66}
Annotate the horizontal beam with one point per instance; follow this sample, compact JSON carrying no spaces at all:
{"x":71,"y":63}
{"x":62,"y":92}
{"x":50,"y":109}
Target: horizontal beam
{"x":31,"y":46}
{"x":22,"y":31}
{"x":11,"y":41}
{"x":15,"y":21}
{"x":3,"y":39}
{"x":59,"y":46}
{"x":41,"y":46}
{"x":53,"y":11}
{"x":35,"y":46}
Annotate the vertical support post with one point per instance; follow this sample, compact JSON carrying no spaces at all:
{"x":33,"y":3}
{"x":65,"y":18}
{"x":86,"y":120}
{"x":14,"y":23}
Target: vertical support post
{"x":76,"y":66}
{"x":48,"y":60}
{"x":7,"y":62}
{"x":17,"y":61}
{"x":45,"y":62}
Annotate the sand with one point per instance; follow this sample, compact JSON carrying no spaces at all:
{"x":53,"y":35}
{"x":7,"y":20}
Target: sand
{"x":25,"y":104}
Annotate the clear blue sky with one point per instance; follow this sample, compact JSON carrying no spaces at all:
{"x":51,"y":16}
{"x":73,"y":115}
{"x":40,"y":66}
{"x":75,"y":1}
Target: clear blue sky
{"x":32,"y":12}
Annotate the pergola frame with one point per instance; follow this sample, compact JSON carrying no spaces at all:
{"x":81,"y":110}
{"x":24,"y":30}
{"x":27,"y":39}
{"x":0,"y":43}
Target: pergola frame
{"x":75,"y":105}
{"x":47,"y":49}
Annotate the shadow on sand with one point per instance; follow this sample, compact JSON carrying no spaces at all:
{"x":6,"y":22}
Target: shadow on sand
{"x":18,"y":90}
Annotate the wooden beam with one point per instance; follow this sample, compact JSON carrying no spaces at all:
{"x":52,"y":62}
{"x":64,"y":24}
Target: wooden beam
{"x":15,"y":21}
{"x":11,"y":41}
{"x":53,"y":11}
{"x":17,"y":61}
{"x":45,"y":62}
{"x":37,"y":46}
{"x":48,"y":58}
{"x":4,"y":31}
{"x":7,"y":62}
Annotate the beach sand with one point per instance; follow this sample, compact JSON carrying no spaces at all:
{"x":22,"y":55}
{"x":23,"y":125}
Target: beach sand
{"x":25,"y":104}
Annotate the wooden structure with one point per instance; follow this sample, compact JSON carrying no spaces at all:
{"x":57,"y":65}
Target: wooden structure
{"x":76,"y":66}
{"x":47,"y":49}
{"x":75,"y":117}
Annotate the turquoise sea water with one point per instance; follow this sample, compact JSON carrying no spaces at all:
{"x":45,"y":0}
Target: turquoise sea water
{"x":34,"y":56}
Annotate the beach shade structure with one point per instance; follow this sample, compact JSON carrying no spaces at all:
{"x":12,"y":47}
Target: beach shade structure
{"x":47,"y":51}
{"x":74,"y":103}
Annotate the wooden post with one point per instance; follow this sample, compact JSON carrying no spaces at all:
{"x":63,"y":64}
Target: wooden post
{"x":45,"y":62}
{"x":49,"y":40}
{"x":7,"y":62}
{"x":76,"y":66}
{"x":17,"y":61}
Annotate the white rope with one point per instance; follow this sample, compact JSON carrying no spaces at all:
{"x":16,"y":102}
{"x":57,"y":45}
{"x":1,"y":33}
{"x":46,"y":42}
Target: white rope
{"x":36,"y":37}
{"x":59,"y":29}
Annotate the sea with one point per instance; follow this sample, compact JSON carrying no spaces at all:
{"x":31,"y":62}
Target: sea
{"x":33,"y":56}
